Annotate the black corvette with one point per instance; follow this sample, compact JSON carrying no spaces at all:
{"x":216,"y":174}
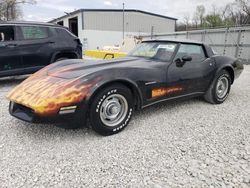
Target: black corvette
{"x":108,"y":92}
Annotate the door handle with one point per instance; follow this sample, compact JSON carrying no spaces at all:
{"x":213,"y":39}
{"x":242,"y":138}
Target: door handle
{"x":51,"y":42}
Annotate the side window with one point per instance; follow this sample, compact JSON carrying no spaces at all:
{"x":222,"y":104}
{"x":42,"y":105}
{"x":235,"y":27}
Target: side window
{"x":195,"y":51}
{"x":34,"y":32}
{"x":7,"y":33}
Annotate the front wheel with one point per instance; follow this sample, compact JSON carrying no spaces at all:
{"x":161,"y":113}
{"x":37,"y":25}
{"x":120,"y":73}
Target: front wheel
{"x":111,"y":110}
{"x":219,"y":89}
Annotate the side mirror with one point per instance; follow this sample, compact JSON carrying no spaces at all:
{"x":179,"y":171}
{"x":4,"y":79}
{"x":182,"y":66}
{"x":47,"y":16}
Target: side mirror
{"x":186,"y":58}
{"x":180,"y":62}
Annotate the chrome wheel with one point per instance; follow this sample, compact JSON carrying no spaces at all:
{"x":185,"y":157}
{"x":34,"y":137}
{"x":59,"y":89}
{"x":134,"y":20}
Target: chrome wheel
{"x":113,"y":110}
{"x":222,"y":87}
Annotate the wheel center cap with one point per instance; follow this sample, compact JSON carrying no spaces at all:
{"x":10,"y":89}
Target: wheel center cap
{"x":114,"y":110}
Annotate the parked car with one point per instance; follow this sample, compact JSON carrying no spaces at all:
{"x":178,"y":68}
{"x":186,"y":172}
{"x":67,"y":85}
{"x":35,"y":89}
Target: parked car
{"x":108,"y":91}
{"x":26,"y":47}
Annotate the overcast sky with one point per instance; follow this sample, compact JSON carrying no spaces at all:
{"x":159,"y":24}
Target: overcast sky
{"x":46,"y":10}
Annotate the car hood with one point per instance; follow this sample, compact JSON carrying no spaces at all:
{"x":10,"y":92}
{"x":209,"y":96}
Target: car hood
{"x":70,"y":69}
{"x":45,"y":95}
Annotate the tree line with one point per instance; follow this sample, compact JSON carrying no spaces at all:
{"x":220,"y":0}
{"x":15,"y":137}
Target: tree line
{"x":232,"y":14}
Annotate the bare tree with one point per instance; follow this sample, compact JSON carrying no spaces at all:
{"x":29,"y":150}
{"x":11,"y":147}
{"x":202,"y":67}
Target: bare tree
{"x":238,"y":13}
{"x":200,"y":13}
{"x":244,"y":5}
{"x":224,"y":11}
{"x":10,"y":9}
{"x":232,"y":14}
{"x":195,"y":21}
{"x":187,"y":21}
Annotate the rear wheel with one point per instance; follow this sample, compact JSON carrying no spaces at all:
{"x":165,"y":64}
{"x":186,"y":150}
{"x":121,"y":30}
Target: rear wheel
{"x":219,"y":89}
{"x":111,"y":110}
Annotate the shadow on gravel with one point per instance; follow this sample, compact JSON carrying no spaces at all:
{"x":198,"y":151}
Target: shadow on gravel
{"x":50,"y":131}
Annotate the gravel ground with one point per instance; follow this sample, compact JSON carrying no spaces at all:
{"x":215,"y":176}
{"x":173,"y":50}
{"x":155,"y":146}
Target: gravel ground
{"x":189,"y":144}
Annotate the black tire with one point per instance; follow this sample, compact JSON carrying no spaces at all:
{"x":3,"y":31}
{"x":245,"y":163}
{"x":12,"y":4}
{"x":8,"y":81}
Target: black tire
{"x":212,"y":95}
{"x":115,"y":94}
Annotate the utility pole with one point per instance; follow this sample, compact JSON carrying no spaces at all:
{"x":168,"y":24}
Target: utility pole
{"x":123,"y":21}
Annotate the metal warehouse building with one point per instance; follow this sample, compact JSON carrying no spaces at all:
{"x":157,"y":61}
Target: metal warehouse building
{"x":107,"y":27}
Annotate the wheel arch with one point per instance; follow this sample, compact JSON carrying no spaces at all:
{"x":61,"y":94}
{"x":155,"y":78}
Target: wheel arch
{"x":63,"y":54}
{"x":230,"y":70}
{"x":127,"y":83}
{"x":231,"y":73}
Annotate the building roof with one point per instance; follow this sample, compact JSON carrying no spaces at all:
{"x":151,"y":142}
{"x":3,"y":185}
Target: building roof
{"x":112,"y":10}
{"x":27,"y":23}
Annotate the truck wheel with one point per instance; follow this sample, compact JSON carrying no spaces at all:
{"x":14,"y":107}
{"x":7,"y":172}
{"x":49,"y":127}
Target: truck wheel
{"x":219,"y":89}
{"x":111,"y":110}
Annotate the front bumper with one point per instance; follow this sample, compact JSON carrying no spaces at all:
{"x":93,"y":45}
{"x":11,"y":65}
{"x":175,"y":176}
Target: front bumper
{"x":27,"y":114}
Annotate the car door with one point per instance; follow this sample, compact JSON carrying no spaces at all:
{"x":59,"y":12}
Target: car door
{"x":156,"y":87}
{"x":36,"y":46}
{"x":10,"y":58}
{"x":191,"y":69}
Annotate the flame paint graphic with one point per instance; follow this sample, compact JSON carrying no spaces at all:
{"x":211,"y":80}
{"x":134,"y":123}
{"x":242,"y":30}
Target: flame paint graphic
{"x":165,"y":91}
{"x":46,"y":94}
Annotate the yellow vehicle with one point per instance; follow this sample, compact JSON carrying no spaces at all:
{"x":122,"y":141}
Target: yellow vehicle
{"x":104,"y":54}
{"x":110,"y":52}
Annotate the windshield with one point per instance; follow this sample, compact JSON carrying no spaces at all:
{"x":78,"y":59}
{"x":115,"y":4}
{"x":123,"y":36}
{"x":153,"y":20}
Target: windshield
{"x":162,"y":51}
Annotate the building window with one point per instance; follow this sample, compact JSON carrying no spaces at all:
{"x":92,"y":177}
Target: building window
{"x":60,"y":23}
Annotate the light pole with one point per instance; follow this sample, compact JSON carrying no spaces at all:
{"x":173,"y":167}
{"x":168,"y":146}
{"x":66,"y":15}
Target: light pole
{"x":123,"y":21}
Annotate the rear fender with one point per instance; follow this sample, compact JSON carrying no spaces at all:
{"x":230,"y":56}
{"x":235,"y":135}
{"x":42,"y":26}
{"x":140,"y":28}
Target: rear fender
{"x":225,"y":63}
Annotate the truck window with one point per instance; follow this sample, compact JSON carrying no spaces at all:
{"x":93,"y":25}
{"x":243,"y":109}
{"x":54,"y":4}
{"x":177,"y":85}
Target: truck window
{"x":34,"y":32}
{"x":7,"y":33}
